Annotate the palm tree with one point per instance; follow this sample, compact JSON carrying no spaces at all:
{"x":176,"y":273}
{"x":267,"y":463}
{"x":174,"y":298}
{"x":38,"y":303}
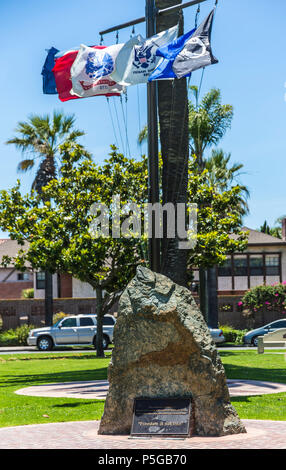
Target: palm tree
{"x":221,"y":176}
{"x":39,"y":140}
{"x":208,"y":123}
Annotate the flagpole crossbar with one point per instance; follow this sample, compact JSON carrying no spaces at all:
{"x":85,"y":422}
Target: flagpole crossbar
{"x":165,"y":11}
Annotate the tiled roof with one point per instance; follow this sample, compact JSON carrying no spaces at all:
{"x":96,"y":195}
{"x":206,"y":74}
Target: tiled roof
{"x":259,"y":238}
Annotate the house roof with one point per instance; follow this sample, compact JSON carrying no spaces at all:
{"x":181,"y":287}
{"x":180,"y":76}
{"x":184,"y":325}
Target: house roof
{"x":10,"y":248}
{"x":259,"y":238}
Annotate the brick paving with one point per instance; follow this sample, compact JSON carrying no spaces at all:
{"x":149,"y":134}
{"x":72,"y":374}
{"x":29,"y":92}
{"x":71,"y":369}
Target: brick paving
{"x":83,"y":435}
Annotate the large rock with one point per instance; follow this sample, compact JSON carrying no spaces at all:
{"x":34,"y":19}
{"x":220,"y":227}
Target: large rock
{"x":162,"y":349}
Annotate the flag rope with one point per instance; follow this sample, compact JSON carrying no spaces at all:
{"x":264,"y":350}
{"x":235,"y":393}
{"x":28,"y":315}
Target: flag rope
{"x":118,"y":125}
{"x":125,"y":124}
{"x":112,"y":121}
{"x":139,"y":118}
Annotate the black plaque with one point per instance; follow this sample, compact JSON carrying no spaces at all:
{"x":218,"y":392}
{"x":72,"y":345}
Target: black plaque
{"x":161,"y":417}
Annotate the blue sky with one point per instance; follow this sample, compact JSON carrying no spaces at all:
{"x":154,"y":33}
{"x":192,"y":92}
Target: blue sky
{"x":248,"y":39}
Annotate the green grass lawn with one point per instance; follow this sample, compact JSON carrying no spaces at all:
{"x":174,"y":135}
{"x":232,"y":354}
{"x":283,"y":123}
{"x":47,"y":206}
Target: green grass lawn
{"x":249,"y":365}
{"x":24,"y":370}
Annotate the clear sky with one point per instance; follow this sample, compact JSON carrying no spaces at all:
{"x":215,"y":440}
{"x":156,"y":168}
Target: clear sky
{"x":248,"y":39}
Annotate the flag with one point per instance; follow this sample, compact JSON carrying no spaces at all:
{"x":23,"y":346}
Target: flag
{"x":49,"y":83}
{"x":169,"y":52}
{"x":90,"y":72}
{"x":61,"y":72}
{"x":137,"y":59}
{"x":189,"y":53}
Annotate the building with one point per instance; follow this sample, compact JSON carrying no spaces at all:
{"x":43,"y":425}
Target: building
{"x":13,"y":281}
{"x":263,"y":262}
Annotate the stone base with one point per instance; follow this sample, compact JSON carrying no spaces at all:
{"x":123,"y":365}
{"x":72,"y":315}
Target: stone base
{"x":163,"y":349}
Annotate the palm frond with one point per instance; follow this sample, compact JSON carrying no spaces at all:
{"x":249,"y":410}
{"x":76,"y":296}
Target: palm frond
{"x":25,"y":165}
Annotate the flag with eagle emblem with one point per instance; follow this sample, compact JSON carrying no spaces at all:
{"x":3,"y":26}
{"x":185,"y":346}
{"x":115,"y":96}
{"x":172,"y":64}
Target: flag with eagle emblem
{"x":91,"y":70}
{"x":137,"y":59}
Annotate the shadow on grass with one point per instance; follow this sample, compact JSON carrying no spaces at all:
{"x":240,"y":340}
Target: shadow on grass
{"x":255,"y":373}
{"x":235,"y":400}
{"x":68,"y":376}
{"x":52,"y":357}
{"x":74,"y":405}
{"x":227,"y":353}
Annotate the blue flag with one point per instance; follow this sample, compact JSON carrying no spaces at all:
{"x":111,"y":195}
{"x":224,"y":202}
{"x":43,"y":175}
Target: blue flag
{"x":49,"y":83}
{"x":169,"y":52}
{"x":188,"y":53}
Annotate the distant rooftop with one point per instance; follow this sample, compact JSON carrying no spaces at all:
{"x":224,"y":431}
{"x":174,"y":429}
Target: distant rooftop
{"x":10,"y":248}
{"x":259,"y":238}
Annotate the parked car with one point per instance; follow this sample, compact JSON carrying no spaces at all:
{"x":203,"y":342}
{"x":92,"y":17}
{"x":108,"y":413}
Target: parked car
{"x":77,"y":330}
{"x":252,"y":336}
{"x":217,"y":335}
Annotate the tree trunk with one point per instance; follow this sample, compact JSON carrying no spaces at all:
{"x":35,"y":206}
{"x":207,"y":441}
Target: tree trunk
{"x":203,"y":293}
{"x":48,"y":299}
{"x":173,"y":117}
{"x":99,"y":323}
{"x":212,"y":297}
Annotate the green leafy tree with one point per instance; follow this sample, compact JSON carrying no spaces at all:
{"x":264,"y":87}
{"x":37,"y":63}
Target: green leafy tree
{"x":39,"y":141}
{"x":218,"y":218}
{"x":59,"y":230}
{"x":273,"y":231}
{"x":209,"y":120}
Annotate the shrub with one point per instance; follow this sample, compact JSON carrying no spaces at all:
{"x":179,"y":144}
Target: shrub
{"x":28,"y":293}
{"x":59,"y":316}
{"x":232,"y":335}
{"x":8,"y":338}
{"x":22,"y":333}
{"x":17,"y":337}
{"x":271,"y":297}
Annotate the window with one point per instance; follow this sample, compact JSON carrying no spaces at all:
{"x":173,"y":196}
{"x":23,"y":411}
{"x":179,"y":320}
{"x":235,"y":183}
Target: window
{"x":240,"y":265}
{"x":272,"y":265}
{"x":256,"y":265}
{"x":40,"y":280}
{"x":225,"y":269}
{"x":278,"y":324}
{"x":86,"y":321}
{"x":108,"y":321}
{"x":23,"y":276}
{"x":68,"y":323}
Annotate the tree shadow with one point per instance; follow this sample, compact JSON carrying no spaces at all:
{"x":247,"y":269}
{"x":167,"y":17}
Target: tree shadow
{"x":74,"y":405}
{"x":234,"y":371}
{"x":67,"y":376}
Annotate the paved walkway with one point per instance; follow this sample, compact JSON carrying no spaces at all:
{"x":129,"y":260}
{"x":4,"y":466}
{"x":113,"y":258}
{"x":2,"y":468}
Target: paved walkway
{"x":83,"y":435}
{"x":97,"y":390}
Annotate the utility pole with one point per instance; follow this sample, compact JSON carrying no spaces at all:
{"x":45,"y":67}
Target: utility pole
{"x":151,"y":14}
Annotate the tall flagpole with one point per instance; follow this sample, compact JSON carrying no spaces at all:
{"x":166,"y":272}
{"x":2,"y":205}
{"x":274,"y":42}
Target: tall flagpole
{"x":153,"y":160}
{"x":151,"y":14}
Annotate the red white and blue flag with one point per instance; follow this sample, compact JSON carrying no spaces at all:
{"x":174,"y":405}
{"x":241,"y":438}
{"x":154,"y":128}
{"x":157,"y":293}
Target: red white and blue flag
{"x":90,"y":72}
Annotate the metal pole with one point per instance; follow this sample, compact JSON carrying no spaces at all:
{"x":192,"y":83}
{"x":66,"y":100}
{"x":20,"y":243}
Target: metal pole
{"x":165,"y":11}
{"x":153,"y":161}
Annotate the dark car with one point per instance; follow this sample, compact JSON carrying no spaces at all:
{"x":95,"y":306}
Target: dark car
{"x":252,"y":336}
